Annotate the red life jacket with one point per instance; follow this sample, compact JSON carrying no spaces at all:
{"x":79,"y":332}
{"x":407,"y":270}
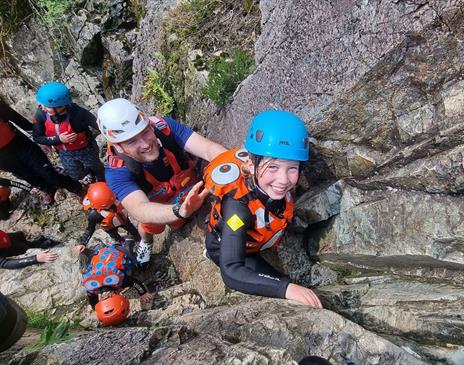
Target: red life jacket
{"x":183,"y":167}
{"x":55,"y":129}
{"x":7,"y":133}
{"x":223,"y":176}
{"x":111,"y":219}
{"x":5,"y":241}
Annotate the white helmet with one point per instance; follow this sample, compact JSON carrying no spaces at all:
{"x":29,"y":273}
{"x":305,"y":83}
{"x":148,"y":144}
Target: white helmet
{"x":120,"y":120}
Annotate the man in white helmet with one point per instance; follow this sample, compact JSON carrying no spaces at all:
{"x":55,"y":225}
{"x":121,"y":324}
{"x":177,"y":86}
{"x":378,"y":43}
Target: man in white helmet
{"x":148,"y":169}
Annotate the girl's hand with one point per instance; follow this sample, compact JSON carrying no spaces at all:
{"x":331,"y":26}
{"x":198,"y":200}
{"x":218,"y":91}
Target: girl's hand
{"x":146,"y":298}
{"x":46,"y":256}
{"x":68,"y":137}
{"x":302,"y":295}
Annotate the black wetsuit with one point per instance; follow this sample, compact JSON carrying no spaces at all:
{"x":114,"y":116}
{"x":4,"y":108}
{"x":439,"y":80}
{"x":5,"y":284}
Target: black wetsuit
{"x":247,"y":273}
{"x":129,"y":281}
{"x":19,"y":245}
{"x":25,"y":160}
{"x":95,"y":218}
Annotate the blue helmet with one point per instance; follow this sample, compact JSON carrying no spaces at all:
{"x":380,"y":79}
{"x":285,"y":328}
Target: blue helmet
{"x":278,"y":134}
{"x":53,"y":94}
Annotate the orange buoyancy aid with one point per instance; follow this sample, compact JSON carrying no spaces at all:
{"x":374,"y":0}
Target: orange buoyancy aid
{"x":223,"y":176}
{"x":7,"y":133}
{"x":111,"y":219}
{"x":55,"y":129}
{"x":184,"y":174}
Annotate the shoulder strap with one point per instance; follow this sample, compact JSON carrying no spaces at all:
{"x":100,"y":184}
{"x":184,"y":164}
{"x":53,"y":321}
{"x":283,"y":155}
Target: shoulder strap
{"x":170,"y":143}
{"x":137,"y":169}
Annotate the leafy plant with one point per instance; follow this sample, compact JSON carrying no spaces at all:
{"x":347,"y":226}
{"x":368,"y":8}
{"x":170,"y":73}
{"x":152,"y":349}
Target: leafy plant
{"x":225,"y":73}
{"x":54,"y":330}
{"x":155,"y":87}
{"x":249,"y":6}
{"x":39,"y":319}
{"x":56,"y":333}
{"x":51,"y":12}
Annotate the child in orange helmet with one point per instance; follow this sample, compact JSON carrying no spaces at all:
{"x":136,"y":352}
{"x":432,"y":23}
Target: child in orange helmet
{"x":109,"y":271}
{"x":107,"y":212}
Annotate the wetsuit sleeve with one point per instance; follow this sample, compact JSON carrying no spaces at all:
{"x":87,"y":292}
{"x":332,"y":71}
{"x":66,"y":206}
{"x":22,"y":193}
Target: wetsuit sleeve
{"x":179,"y":131}
{"x":38,"y":133}
{"x":7,"y":263}
{"x":234,"y":271}
{"x":93,"y":299}
{"x":135,"y":283}
{"x":92,"y":220}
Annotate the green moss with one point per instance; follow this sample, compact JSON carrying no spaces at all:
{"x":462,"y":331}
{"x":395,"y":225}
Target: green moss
{"x":40,"y":217}
{"x":225,"y":73}
{"x":250,"y":6}
{"x":139,"y":10}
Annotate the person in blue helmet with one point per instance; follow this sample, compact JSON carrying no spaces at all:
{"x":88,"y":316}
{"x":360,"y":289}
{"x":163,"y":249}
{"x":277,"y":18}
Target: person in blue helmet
{"x":26,"y":160}
{"x":253,"y":204}
{"x":64,"y":125}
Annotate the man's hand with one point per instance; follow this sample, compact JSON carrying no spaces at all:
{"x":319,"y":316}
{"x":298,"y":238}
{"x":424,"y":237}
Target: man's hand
{"x":68,"y":137}
{"x":46,"y":256}
{"x":302,"y":295}
{"x":79,"y":249}
{"x":193,"y":200}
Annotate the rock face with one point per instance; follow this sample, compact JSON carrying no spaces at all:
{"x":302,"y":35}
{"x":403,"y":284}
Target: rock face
{"x":379,"y":84}
{"x":282,"y":333}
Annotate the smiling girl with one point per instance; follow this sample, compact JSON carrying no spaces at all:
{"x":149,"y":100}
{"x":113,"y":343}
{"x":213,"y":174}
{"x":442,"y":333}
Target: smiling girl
{"x":253,"y":205}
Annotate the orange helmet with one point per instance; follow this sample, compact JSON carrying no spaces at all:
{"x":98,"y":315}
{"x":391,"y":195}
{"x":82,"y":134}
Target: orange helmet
{"x":100,"y":196}
{"x":5,"y":241}
{"x":112,"y":310}
{"x":4,"y":193}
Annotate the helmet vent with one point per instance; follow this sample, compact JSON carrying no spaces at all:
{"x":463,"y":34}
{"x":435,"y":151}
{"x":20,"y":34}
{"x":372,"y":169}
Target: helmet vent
{"x":259,"y":135}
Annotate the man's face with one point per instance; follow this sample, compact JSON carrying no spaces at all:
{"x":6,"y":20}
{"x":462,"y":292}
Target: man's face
{"x":143,"y":147}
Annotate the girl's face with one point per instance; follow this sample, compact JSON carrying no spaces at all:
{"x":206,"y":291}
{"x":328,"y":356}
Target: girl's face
{"x":276,"y":176}
{"x":53,"y":111}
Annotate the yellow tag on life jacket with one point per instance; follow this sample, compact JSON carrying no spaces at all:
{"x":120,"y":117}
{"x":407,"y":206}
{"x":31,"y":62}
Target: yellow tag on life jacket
{"x":235,"y":222}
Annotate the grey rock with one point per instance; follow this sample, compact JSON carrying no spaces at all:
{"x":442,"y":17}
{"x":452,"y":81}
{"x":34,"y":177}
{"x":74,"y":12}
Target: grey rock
{"x":148,"y":44}
{"x":418,"y":224}
{"x":128,"y":346}
{"x":425,"y":312}
{"x":85,"y":39}
{"x":318,"y":204}
{"x":85,"y":88}
{"x":118,"y":70}
{"x":235,"y":334}
{"x":350,"y":37}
